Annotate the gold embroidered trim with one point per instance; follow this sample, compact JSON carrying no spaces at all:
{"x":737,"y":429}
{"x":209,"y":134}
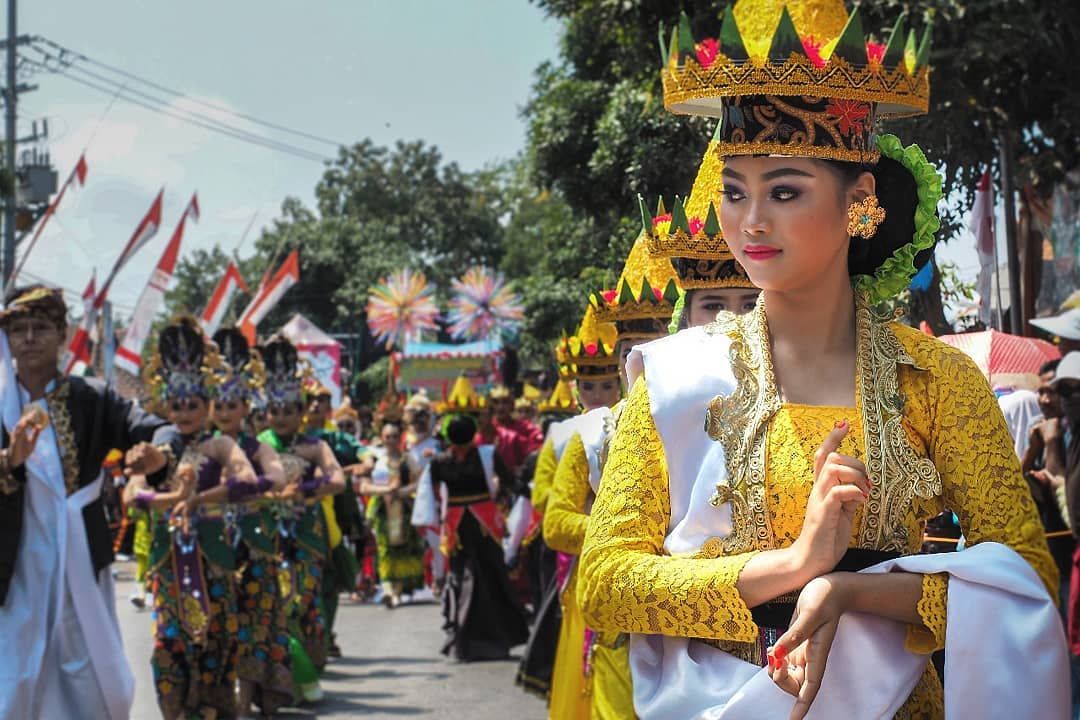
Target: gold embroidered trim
{"x":897,"y":470}
{"x":795,"y":149}
{"x":740,"y":421}
{"x":65,"y":435}
{"x":729,"y":283}
{"x":195,"y":459}
{"x":798,"y":76}
{"x":699,"y":246}
{"x":624,"y":311}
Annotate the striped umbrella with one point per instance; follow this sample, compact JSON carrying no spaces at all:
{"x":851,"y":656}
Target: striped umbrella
{"x":998,"y":353}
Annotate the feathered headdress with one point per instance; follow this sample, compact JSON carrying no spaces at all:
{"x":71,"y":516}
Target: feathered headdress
{"x":185,"y":365}
{"x":242,"y":367}
{"x":284,"y":375}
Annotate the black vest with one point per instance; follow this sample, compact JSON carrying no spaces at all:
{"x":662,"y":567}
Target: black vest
{"x":100,"y":421}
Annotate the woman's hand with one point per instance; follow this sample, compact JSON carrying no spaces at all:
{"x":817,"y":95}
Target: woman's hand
{"x":187,"y":481}
{"x":797,"y":660}
{"x":840,"y":486}
{"x":24,"y":436}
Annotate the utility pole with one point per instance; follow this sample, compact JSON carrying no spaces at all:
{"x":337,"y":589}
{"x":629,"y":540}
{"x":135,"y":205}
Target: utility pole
{"x":1016,"y":309}
{"x":11,"y":93}
{"x":12,"y":89}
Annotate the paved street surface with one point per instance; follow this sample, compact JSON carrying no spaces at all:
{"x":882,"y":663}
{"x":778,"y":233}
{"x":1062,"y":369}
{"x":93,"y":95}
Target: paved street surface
{"x":392,"y":668}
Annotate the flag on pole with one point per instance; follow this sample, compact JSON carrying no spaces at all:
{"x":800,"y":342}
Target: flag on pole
{"x":982,"y":226}
{"x":270,"y":294}
{"x":78,"y":352}
{"x":143,"y":234}
{"x":129,"y":354}
{"x":222,"y":298}
{"x":78,"y":175}
{"x":90,"y":293}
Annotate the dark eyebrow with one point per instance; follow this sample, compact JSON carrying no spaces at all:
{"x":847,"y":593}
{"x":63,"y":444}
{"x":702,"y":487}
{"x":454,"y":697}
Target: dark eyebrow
{"x":728,"y":172}
{"x":781,"y":172}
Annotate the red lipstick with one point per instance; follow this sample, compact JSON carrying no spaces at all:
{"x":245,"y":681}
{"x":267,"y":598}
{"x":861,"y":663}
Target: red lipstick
{"x":761,"y":252}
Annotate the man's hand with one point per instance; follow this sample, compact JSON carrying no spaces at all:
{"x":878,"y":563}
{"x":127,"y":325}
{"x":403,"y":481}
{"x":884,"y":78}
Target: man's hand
{"x":143,"y":459}
{"x":24,"y":437}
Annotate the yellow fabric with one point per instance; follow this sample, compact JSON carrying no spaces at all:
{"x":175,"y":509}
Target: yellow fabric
{"x":333,"y":530}
{"x":612,"y":688}
{"x":546,"y":463}
{"x":950,"y":414}
{"x":569,"y":696}
{"x":565,"y":519}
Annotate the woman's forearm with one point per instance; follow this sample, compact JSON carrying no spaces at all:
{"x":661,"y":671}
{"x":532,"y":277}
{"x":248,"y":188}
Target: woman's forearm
{"x":893,"y":595}
{"x":770,"y":574}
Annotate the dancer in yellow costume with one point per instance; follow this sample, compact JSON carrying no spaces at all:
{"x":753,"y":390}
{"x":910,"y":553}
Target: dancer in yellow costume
{"x":786,"y":531}
{"x":587,"y":359}
{"x":599,"y":666}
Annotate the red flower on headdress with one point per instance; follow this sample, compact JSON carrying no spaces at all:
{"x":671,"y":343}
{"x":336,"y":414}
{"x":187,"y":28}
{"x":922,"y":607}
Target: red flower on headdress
{"x":661,"y":218}
{"x":875,"y":53}
{"x":850,"y":113}
{"x":591,"y":348}
{"x":812,"y":48}
{"x":696,"y":225}
{"x":706,"y":52}
{"x":659,"y":294}
{"x":609,"y":296}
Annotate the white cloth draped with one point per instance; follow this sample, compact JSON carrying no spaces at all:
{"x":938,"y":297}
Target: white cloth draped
{"x":61,"y":658}
{"x":1006,"y":648}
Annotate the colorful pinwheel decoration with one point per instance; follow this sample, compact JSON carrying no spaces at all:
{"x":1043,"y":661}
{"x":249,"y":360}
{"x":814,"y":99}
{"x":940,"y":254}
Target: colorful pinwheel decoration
{"x":483,"y":307}
{"x":400,"y":307}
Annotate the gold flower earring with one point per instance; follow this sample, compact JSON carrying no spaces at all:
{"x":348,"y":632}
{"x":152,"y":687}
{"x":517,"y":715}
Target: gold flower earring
{"x":864,"y":217}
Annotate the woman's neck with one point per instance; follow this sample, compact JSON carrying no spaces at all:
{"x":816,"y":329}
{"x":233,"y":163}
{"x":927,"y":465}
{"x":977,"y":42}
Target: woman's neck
{"x":812,"y":332}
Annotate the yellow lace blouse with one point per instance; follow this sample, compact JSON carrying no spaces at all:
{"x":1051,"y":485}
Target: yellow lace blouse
{"x":565,"y":519}
{"x":628,"y":584}
{"x":543,"y":476}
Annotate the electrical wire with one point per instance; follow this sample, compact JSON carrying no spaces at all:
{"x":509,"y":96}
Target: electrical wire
{"x":198,"y":101}
{"x":62,"y":66}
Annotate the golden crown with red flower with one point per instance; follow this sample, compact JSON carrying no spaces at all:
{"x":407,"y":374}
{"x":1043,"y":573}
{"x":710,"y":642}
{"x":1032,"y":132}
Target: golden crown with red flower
{"x":590,"y":351}
{"x":643,"y":300}
{"x":798,"y":79}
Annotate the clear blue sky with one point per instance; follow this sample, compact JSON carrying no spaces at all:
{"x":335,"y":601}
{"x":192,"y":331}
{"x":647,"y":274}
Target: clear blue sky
{"x":452,"y":73}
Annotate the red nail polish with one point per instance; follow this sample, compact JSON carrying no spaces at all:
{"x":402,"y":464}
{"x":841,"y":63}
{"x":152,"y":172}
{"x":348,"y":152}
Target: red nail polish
{"x":780,"y":654}
{"x":839,"y":424}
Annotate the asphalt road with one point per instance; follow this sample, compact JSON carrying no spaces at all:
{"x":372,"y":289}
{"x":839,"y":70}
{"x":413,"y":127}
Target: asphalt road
{"x":391,"y":668}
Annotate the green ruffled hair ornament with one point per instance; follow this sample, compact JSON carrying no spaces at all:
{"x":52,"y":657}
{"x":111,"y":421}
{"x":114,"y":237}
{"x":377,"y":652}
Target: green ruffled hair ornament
{"x":894,"y":275}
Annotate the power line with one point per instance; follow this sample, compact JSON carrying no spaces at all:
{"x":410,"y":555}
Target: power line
{"x":205,"y":103}
{"x":212,"y":126}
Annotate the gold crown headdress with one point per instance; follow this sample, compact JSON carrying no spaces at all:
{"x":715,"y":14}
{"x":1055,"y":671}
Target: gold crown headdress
{"x":643,"y":300}
{"x":589,"y":352}
{"x":801,"y":79}
{"x":463,"y":398}
{"x":697,"y":248}
{"x":560,"y":402}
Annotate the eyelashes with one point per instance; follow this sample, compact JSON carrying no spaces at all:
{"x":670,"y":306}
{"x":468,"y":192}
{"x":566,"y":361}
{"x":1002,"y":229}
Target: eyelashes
{"x":779,"y":194}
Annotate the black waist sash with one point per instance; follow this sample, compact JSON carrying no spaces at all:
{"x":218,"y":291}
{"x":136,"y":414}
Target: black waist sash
{"x":777,"y":613}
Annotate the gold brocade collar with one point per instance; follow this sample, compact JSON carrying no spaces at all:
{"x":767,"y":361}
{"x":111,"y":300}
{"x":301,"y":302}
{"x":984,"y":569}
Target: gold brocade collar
{"x":740,"y":422}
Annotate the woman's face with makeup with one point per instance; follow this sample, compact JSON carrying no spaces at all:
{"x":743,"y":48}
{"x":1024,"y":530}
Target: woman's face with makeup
{"x":785,"y":219}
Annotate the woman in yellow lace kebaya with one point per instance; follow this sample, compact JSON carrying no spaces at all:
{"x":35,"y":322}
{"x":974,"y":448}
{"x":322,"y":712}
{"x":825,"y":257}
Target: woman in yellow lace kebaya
{"x":599,"y":664}
{"x":742,"y":557}
{"x":588,"y":359}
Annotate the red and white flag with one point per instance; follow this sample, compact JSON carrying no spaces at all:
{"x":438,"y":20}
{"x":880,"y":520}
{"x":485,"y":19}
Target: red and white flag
{"x":78,"y":352}
{"x":90,"y":293}
{"x":222,"y":298}
{"x":129,"y":354}
{"x":78,"y":175}
{"x":270,"y":294}
{"x":982,"y":226}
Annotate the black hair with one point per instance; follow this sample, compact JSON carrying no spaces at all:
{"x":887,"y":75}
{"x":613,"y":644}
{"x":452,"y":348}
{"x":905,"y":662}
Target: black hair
{"x":461,"y":430}
{"x":897,"y":193}
{"x":1049,"y":366}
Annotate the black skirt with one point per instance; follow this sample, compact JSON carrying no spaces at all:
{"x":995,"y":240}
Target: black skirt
{"x":481,"y":613}
{"x":534,"y":672}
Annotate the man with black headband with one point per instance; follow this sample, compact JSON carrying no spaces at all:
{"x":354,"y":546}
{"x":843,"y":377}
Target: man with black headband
{"x":63,"y":653}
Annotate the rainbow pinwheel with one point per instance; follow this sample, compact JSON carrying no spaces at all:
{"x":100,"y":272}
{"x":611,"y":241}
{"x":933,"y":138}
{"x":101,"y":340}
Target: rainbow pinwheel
{"x":400,"y":307}
{"x":483,"y":307}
